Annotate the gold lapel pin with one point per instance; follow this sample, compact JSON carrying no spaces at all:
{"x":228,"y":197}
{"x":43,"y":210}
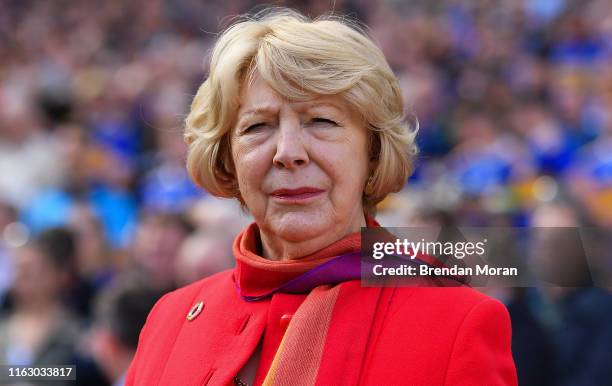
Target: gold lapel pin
{"x":195,"y":311}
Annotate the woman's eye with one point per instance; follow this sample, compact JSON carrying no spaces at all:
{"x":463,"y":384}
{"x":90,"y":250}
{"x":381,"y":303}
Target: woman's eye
{"x":255,"y":127}
{"x":324,"y":120}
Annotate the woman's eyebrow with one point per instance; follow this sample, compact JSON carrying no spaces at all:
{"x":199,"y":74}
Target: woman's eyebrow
{"x":311,"y":105}
{"x":257,"y":110}
{"x":266,"y":109}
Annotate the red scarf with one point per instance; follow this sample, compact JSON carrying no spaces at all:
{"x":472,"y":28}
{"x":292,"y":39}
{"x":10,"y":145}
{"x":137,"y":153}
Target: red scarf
{"x":256,"y":276}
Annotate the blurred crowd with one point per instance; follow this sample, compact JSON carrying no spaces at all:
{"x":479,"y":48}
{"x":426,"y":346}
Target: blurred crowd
{"x":98,"y":217}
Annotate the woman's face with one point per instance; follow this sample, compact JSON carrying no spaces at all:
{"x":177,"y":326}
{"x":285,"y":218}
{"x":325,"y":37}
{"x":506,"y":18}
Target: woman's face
{"x":301,"y":166}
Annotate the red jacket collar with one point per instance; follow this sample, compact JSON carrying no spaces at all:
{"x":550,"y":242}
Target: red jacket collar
{"x":256,"y":275}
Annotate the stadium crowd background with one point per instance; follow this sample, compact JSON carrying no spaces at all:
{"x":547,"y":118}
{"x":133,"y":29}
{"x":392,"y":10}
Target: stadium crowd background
{"x":98,"y":216}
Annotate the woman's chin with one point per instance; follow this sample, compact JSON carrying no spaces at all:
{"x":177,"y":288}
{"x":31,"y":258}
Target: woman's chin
{"x":298,"y":227}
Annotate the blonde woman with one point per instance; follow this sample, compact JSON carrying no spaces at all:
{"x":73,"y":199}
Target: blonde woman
{"x":302,"y":121}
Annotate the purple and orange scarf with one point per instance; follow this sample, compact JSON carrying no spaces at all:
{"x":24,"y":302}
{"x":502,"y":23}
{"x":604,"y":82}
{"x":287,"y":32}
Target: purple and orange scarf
{"x":298,"y":357}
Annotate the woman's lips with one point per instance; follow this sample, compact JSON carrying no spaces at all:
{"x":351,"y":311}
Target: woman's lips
{"x":298,"y":194}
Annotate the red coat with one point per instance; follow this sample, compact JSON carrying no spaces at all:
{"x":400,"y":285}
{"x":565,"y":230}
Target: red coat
{"x":421,"y":336}
{"x":412,"y":336}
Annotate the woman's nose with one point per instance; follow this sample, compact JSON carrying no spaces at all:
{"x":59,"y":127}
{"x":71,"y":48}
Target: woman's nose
{"x":290,"y":150}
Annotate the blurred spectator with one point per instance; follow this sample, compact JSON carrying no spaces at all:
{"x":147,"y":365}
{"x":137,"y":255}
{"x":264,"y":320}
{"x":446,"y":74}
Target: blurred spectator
{"x":121,"y":312}
{"x":156,"y":246}
{"x":532,"y":347}
{"x":203,"y":254}
{"x":28,"y":154}
{"x":579,"y":318}
{"x":12,"y":234}
{"x":96,"y":260}
{"x":91,"y":177}
{"x":40,"y":330}
{"x":218,"y":215}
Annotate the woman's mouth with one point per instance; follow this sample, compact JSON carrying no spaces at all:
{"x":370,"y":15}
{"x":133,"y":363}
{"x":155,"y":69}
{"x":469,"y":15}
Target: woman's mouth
{"x":296,"y":195}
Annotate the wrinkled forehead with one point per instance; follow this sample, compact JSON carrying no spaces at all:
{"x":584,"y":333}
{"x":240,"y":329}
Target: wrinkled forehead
{"x":258,"y":96}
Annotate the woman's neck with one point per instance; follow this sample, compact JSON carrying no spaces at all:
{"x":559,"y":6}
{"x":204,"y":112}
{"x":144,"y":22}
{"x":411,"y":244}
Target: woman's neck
{"x":279,"y":249}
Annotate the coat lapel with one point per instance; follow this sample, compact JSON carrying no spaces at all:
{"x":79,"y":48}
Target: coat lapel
{"x":217,"y":342}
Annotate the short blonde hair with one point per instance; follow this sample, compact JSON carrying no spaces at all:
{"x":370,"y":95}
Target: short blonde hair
{"x":299,"y":58}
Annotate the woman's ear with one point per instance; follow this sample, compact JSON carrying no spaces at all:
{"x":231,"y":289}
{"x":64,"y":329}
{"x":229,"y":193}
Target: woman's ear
{"x":232,"y":178}
{"x":227,"y":170}
{"x":374,"y":148}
